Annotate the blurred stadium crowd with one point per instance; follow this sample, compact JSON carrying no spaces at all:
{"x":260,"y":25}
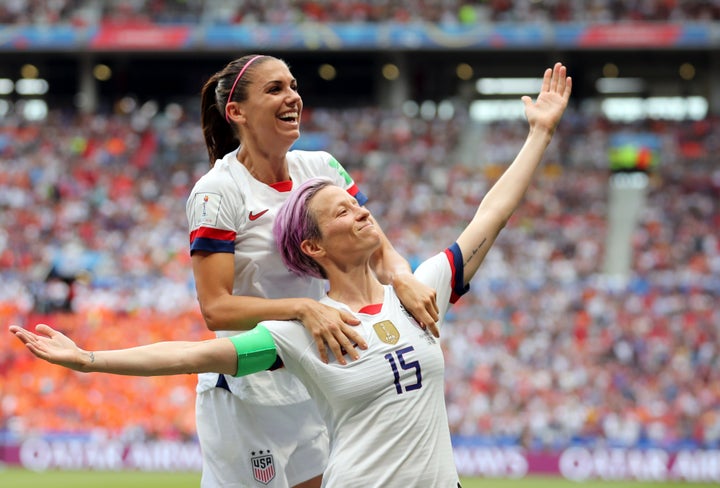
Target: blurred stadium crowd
{"x":544,"y":351}
{"x":87,"y":12}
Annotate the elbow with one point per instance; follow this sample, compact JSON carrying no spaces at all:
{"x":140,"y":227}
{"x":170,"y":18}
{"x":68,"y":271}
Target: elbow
{"x":502,"y":223}
{"x":498,"y":217}
{"x":211,"y":317}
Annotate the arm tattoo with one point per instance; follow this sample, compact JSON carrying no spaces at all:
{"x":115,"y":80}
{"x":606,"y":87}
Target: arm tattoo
{"x":474,"y":251}
{"x":92,"y":357}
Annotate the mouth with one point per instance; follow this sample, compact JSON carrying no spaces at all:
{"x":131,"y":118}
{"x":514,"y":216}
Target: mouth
{"x":290,"y":117}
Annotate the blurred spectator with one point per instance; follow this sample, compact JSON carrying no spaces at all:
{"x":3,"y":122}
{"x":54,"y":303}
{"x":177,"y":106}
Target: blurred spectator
{"x":88,"y":12}
{"x":543,"y":351}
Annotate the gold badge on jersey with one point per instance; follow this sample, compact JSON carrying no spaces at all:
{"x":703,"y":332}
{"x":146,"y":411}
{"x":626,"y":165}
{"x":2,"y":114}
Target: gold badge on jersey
{"x":387,"y":332}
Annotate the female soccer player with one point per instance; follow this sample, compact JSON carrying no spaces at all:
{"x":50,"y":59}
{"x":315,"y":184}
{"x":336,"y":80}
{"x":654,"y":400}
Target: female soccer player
{"x":386,"y":410}
{"x":251,"y":112}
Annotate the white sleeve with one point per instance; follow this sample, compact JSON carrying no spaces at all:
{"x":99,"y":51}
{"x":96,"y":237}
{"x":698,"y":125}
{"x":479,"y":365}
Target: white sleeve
{"x":444,"y":273}
{"x":291,"y":341}
{"x":213,"y":209}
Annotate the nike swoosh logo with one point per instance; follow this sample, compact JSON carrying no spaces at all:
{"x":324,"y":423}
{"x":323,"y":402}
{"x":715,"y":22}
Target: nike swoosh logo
{"x":255,"y":216}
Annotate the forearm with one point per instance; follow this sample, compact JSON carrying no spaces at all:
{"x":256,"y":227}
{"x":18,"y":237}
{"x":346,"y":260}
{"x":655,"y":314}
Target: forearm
{"x":163,"y":358}
{"x":387,"y":263}
{"x":242,"y":313}
{"x":507,"y":193}
{"x":393,"y":267}
{"x":500,"y":202}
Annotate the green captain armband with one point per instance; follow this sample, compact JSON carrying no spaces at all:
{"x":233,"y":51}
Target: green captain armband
{"x":255,"y":351}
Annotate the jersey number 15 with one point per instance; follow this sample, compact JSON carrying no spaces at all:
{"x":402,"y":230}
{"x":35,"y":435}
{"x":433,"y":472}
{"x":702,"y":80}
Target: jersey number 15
{"x":405,"y":365}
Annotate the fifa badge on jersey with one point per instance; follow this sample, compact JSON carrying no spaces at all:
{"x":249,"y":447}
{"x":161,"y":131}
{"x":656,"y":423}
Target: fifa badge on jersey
{"x":387,"y":332}
{"x":263,"y":466}
{"x":207,"y":208}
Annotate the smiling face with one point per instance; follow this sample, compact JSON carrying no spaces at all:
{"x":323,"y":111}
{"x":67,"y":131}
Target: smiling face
{"x":346,"y":229}
{"x":271,"y":113}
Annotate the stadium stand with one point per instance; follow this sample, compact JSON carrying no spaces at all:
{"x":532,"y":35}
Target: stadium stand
{"x":85,"y":12}
{"x":543,"y":353}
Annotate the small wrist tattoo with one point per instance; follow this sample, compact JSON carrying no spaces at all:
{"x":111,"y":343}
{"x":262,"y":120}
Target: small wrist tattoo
{"x":92,"y":357}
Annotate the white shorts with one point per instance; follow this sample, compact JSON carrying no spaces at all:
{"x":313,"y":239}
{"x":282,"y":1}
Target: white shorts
{"x":247,"y":446}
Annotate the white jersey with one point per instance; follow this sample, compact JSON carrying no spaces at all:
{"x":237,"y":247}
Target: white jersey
{"x":386,"y":410}
{"x":230,"y":211}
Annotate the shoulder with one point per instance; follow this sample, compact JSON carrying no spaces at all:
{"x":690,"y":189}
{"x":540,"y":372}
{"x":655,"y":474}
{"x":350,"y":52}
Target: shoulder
{"x":312,"y":157}
{"x":288,"y":335}
{"x":310,"y":164}
{"x":444,"y":273}
{"x":222,"y":179}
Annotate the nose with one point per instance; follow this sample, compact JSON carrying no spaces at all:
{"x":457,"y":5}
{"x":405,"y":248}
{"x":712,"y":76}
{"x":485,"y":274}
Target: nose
{"x":293,"y":98}
{"x":362,"y":213}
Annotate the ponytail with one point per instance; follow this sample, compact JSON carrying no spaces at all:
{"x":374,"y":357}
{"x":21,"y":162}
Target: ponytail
{"x":220,"y":137}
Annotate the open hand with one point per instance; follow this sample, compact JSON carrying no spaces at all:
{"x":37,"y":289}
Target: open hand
{"x":52,"y":346}
{"x":551,"y":102}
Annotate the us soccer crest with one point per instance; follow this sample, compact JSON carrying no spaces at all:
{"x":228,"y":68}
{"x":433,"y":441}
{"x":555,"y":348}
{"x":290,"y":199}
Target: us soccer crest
{"x":263,"y":466}
{"x":387,"y":332}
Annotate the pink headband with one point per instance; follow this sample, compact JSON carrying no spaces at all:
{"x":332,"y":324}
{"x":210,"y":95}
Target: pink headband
{"x":232,"y":90}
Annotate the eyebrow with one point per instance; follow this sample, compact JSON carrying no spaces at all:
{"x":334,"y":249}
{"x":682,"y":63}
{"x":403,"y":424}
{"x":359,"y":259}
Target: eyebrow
{"x":271,"y":82}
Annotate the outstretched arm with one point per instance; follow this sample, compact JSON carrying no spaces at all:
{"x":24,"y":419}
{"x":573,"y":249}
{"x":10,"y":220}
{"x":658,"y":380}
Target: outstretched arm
{"x":500,"y":202}
{"x":159,"y":359}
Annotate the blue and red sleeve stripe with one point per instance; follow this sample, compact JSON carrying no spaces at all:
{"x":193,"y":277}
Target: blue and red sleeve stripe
{"x":454,"y":255}
{"x":212,"y":240}
{"x":359,"y":196}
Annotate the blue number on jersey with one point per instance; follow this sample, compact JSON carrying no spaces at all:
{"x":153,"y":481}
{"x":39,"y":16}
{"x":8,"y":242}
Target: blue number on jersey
{"x":404,"y":365}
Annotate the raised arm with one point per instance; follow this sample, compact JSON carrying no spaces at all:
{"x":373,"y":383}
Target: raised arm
{"x":500,"y":202}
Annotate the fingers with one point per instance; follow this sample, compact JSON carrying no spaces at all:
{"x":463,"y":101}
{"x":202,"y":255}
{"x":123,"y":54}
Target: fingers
{"x":433,"y":328}
{"x":26,"y":335}
{"x":342,"y":341}
{"x":567,"y":89}
{"x":349,"y":318}
{"x":562,"y":80}
{"x":31,"y":341}
{"x":46,"y":330}
{"x":349,"y":342}
{"x":555,"y":80}
{"x":429,"y":321}
{"x":431,"y":315}
{"x":320,"y":344}
{"x":547,"y":77}
{"x":561,"y":83}
{"x":556,"y":77}
{"x":22,"y":334}
{"x":339,"y":346}
{"x":349,"y":333}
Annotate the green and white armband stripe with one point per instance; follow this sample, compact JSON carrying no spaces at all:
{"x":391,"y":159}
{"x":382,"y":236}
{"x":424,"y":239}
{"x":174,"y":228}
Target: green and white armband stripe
{"x":255,"y":351}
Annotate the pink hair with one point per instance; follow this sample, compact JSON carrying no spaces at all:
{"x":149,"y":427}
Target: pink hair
{"x":294,"y":224}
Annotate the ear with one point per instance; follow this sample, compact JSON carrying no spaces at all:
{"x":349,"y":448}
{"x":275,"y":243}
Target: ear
{"x":312,"y":249}
{"x":235,"y":112}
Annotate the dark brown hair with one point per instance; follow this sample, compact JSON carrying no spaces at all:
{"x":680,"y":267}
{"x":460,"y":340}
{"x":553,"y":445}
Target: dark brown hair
{"x":220,"y":136}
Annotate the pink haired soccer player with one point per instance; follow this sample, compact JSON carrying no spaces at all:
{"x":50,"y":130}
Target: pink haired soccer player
{"x":251,"y":112}
{"x":385,"y":410}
